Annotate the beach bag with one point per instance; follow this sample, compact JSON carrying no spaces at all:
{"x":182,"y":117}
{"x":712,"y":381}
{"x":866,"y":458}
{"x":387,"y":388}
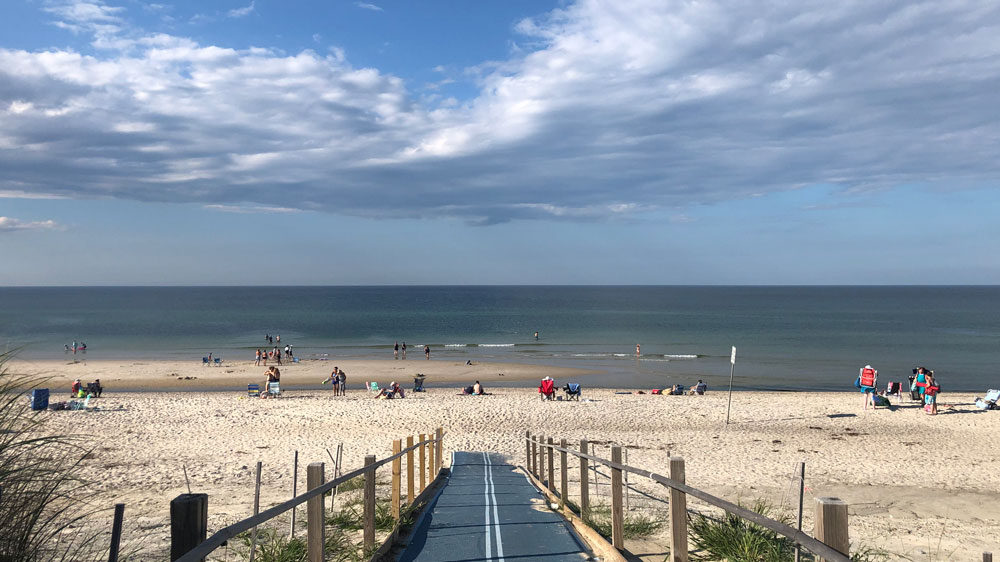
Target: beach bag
{"x":857,"y":382}
{"x":655,"y":391}
{"x":880,"y":400}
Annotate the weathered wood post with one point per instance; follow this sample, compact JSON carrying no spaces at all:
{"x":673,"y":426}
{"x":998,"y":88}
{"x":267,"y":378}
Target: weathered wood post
{"x":987,"y":557}
{"x":552,"y":468}
{"x":315,"y":518}
{"x":584,"y":483}
{"x":410,"y":492}
{"x":440,"y":450}
{"x":802,"y":491}
{"x":617,"y":513}
{"x":564,"y":476}
{"x":188,"y":523}
{"x":423,"y":464}
{"x":534,"y":457}
{"x":397,"y":469}
{"x":116,"y":532}
{"x":295,"y":490}
{"x":430,"y":462}
{"x":256,"y":510}
{"x":369,"y":500}
{"x":831,"y":524}
{"x":527,"y":450}
{"x":678,"y":514}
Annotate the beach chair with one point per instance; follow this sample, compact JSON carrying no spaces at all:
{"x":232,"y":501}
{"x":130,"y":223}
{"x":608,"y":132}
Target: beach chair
{"x":274,"y":389}
{"x":989,"y":402}
{"x":573,"y":391}
{"x":547,"y":390}
{"x":894,"y":389}
{"x":205,"y":361}
{"x":418,"y":383}
{"x":373,"y":387}
{"x":253,"y":390}
{"x":218,"y":361}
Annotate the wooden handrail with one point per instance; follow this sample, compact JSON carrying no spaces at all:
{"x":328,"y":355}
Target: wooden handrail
{"x":798,"y":537}
{"x":226,"y":533}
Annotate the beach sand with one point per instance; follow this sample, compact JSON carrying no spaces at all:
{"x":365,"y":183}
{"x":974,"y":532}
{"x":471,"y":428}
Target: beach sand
{"x":925,"y":487}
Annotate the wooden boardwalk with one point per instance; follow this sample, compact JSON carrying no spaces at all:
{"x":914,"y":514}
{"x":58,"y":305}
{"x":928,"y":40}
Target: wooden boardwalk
{"x":488,"y":511}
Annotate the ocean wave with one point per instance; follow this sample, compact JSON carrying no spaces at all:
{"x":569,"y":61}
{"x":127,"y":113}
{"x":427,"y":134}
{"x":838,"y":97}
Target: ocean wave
{"x":620,"y":354}
{"x":495,"y":345}
{"x":669,"y":356}
{"x":456,"y":345}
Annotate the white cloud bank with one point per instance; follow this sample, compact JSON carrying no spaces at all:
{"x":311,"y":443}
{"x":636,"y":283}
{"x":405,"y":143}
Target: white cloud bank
{"x":8,"y":224}
{"x":607,"y":108}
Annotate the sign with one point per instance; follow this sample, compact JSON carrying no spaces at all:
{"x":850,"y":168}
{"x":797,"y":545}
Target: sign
{"x":732,"y":358}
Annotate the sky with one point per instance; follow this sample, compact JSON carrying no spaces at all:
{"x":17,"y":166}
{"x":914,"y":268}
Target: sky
{"x":331,"y":142}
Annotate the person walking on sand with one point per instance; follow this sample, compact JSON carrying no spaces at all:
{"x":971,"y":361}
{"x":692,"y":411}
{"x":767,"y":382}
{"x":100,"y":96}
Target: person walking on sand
{"x":427,"y":352}
{"x":867,"y":381}
{"x":395,"y":351}
{"x":930,"y":394}
{"x":334,"y":381}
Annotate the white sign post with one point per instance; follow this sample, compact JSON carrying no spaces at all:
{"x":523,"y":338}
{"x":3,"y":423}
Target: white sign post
{"x":732,"y":370}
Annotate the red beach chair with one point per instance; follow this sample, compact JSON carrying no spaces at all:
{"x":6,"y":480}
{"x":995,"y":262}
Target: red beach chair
{"x":547,"y":389}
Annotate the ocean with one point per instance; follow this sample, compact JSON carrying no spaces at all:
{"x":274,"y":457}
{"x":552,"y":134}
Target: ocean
{"x":787,"y":338}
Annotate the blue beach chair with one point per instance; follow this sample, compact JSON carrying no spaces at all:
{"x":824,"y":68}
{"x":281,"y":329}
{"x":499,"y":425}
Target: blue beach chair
{"x":253,"y":390}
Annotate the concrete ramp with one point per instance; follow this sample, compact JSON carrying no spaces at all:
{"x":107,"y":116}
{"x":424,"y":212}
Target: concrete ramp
{"x":489,"y":512}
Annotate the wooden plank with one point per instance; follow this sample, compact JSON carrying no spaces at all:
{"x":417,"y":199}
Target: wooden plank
{"x":831,"y":524}
{"x":256,"y":510}
{"x":295,"y":490}
{"x":423,"y":465}
{"x":678,"y":514}
{"x":564,"y":476}
{"x":315,"y":518}
{"x":397,"y":446}
{"x":411,"y":493}
{"x":430,"y":462}
{"x":188,"y":523}
{"x":584,"y":483}
{"x":527,"y":450}
{"x":369,"y":505}
{"x":539,"y":461}
{"x":617,"y":511}
{"x":987,"y":557}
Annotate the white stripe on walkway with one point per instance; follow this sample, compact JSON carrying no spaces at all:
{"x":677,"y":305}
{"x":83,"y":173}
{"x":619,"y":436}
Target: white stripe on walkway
{"x":486,"y":497}
{"x":496,"y":516}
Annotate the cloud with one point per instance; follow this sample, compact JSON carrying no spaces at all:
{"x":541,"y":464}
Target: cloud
{"x":367,"y":6}
{"x":241,"y":12}
{"x":242,"y":209}
{"x":606,"y":110}
{"x":8,"y":224}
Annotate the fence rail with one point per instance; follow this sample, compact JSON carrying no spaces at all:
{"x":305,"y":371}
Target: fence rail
{"x":194,"y":521}
{"x":831,"y":542}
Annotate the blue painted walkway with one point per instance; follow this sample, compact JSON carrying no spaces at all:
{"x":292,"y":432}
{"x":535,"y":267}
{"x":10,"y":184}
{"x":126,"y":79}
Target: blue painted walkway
{"x":488,"y":511}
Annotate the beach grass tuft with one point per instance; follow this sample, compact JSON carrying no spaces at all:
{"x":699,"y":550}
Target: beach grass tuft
{"x":636,"y":525}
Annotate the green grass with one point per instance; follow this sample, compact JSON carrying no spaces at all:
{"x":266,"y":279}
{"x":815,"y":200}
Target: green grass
{"x":636,"y":525}
{"x":737,"y":540}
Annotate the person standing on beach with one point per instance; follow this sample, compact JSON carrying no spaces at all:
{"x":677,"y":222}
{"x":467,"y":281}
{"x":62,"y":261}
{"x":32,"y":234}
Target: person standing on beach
{"x":395,"y":351}
{"x":334,"y":381}
{"x":256,"y":362}
{"x":342,"y":377}
{"x":404,"y":350}
{"x":427,"y":352}
{"x":867,"y":380}
{"x":930,"y":394}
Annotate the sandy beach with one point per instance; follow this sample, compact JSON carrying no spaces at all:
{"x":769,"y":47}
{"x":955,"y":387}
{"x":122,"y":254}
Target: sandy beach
{"x":925,"y":487}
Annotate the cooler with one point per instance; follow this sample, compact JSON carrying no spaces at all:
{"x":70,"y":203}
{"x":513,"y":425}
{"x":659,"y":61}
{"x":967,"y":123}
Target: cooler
{"x":39,"y":399}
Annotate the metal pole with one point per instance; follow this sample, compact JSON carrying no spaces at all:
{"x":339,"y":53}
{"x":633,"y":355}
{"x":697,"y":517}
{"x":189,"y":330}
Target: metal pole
{"x":295,"y":483}
{"x":802,"y":489}
{"x":116,"y":532}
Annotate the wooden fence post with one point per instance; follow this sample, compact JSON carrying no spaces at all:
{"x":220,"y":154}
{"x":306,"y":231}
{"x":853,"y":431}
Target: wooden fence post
{"x":527,"y":450}
{"x":564,"y":477}
{"x":295,"y":489}
{"x":396,"y":471}
{"x":256,"y":510}
{"x":315,"y":518}
{"x":440,"y":450}
{"x":369,"y":499}
{"x":423,"y":465}
{"x":552,"y":468}
{"x":617,"y":514}
{"x":534,"y":457}
{"x":678,"y":514}
{"x":188,"y":523}
{"x":987,"y":557}
{"x":584,"y":484}
{"x":410,"y":492}
{"x":430,"y":462}
{"x":116,"y":532}
{"x":831,"y":524}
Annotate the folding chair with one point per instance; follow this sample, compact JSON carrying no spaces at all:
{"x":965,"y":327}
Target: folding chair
{"x":274,"y":389}
{"x":373,"y":388}
{"x":253,"y":390}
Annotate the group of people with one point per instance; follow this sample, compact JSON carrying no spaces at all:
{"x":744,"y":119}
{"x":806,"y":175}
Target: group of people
{"x":76,"y":390}
{"x":475,"y":389}
{"x":274,"y":355}
{"x":76,"y":347}
{"x":390,"y":392}
{"x":337,"y":378}
{"x":922,"y":386}
{"x":397,"y":349}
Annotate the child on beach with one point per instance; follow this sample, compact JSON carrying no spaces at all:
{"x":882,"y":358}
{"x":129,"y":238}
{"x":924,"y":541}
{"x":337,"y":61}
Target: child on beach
{"x":930,"y":395}
{"x":334,"y":381}
{"x":342,"y":378}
